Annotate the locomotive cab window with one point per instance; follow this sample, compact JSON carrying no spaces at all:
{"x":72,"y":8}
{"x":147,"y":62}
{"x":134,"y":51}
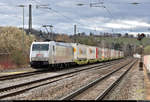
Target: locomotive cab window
{"x":40,"y":47}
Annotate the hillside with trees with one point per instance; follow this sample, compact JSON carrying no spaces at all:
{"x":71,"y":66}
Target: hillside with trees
{"x":127,"y":43}
{"x":14,"y":46}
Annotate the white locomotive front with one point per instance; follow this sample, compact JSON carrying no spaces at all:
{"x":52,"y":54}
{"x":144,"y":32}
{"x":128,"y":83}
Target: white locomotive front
{"x":39,"y":53}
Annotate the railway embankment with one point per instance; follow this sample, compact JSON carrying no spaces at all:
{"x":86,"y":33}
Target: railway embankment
{"x":57,"y":89}
{"x":86,"y":83}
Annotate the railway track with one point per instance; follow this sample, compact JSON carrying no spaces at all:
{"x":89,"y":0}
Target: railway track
{"x":15,"y":76}
{"x":114,"y":84}
{"x":99,"y":88}
{"x":23,"y":87}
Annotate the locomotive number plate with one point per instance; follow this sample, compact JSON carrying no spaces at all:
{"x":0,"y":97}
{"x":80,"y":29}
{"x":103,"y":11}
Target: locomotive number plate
{"x":39,"y":55}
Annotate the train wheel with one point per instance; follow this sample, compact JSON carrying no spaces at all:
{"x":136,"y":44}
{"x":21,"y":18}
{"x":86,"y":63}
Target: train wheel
{"x":67,"y":65}
{"x":61,"y":66}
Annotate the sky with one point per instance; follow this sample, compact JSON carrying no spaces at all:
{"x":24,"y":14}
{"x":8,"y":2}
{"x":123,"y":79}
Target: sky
{"x":118,"y":16}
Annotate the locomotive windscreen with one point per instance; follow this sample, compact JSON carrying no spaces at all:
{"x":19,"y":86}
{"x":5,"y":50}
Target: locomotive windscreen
{"x":40,"y":47}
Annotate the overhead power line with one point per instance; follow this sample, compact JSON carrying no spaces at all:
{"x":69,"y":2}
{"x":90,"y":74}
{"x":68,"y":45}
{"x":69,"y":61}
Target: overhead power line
{"x":67,"y":18}
{"x":108,"y":11}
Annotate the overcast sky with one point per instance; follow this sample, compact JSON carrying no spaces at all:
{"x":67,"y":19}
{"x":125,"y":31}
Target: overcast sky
{"x":118,"y":16}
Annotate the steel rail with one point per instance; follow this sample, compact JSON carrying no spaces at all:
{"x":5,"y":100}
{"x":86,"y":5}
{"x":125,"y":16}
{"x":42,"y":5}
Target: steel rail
{"x":82,"y":89}
{"x":7,"y":77}
{"x":14,"y":76}
{"x":114,"y":84}
{"x":37,"y":81}
{"x":51,"y":77}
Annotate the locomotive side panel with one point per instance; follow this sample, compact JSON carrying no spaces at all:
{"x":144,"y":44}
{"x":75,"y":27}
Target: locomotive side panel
{"x":63,"y":54}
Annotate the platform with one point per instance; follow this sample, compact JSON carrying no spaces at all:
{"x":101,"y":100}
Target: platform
{"x":146,"y":83}
{"x":16,"y":71}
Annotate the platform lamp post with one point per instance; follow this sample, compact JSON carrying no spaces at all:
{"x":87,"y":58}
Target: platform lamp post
{"x":22,"y":6}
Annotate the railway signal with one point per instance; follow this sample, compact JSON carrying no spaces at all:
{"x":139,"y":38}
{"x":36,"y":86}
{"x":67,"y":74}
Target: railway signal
{"x":140,"y":36}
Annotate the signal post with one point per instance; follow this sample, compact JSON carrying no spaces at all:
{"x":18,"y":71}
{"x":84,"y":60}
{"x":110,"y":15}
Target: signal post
{"x":140,"y":37}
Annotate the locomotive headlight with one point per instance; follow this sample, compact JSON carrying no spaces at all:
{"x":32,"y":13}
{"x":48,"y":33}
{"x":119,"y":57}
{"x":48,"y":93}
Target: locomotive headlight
{"x":32,"y":59}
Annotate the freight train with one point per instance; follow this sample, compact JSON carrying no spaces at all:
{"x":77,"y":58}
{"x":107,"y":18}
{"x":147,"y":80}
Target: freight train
{"x":63,"y":54}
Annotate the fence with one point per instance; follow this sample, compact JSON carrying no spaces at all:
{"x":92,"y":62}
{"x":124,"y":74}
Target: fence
{"x":147,"y":62}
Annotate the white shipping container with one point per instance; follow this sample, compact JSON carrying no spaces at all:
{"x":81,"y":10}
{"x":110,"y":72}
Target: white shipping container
{"x":103,"y":53}
{"x":91,"y":52}
{"x":112,"y":53}
{"x":80,"y":51}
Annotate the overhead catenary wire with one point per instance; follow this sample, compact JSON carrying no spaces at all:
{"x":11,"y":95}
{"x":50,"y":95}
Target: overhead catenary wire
{"x":100,"y":3}
{"x":81,"y":25}
{"x":71,"y":19}
{"x":108,"y":11}
{"x":67,"y":18}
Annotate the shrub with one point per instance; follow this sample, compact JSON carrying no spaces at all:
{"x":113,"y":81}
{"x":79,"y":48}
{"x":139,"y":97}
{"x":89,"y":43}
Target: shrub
{"x":11,"y":41}
{"x":18,"y":57}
